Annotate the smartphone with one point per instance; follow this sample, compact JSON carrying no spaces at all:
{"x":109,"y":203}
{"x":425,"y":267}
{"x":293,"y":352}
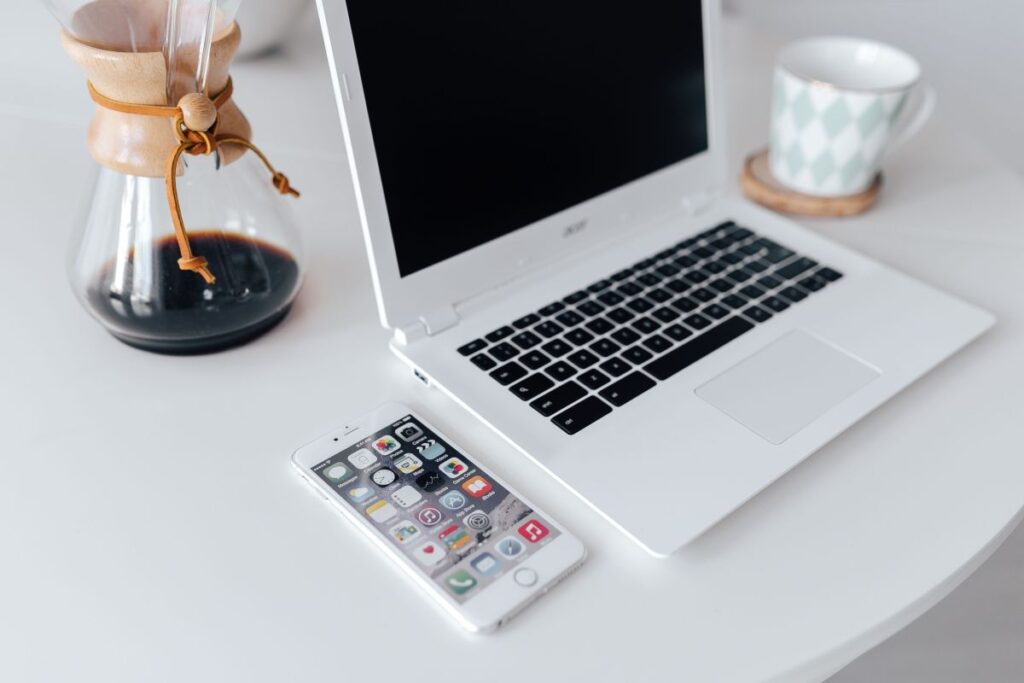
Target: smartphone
{"x":478,"y":548}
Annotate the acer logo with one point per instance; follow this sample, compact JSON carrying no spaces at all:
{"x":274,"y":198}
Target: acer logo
{"x":575,"y":228}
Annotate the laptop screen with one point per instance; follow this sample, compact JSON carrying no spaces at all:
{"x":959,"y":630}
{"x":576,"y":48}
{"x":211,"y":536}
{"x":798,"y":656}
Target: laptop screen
{"x":489,"y":116}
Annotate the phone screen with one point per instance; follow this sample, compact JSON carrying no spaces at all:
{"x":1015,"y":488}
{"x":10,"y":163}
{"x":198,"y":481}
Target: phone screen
{"x":462,"y":528}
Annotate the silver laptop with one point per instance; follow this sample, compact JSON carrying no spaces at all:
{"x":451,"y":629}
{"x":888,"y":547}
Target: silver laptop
{"x":540,"y":188}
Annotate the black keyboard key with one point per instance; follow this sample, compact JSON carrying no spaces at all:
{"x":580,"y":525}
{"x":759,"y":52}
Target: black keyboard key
{"x":752,"y":292}
{"x":625,"y":336}
{"x":659,"y":296}
{"x":740,"y":275}
{"x":812,"y":283}
{"x":722,"y":285}
{"x":548,"y":328}
{"x":798,"y":266}
{"x":722,"y":242}
{"x":692,"y":351}
{"x":622,"y":275}
{"x":678,"y":285}
{"x":696,"y":277}
{"x":715,"y":311}
{"x":734,"y":301}
{"x":685,"y":261}
{"x":703,"y":252}
{"x":703,"y":295}
{"x":582,"y":359}
{"x":552,"y":308}
{"x":627,"y":388}
{"x":532,"y":387}
{"x":579,"y":337}
{"x":778,"y":254}
{"x":697,"y":321}
{"x":666,"y":270}
{"x":575,"y":297}
{"x":775,"y":303}
{"x":793,"y":294}
{"x":557,"y":399}
{"x":665,"y":253}
{"x":526,"y":340}
{"x":500,"y":333}
{"x":715,"y":267}
{"x":645,"y":264}
{"x":733,"y":257}
{"x":629,"y":289}
{"x":534,"y":359}
{"x":757,"y":266}
{"x":605,"y":347}
{"x":757,"y":314}
{"x":508,"y":373}
{"x":593,"y":379}
{"x":599,"y":286}
{"x":556,"y":348}
{"x":665,"y":314}
{"x":685,"y":304}
{"x":752,"y":249}
{"x":581,"y":415}
{"x":769,"y":282}
{"x":645,"y":325}
{"x":600,"y":326}
{"x":677,"y":332}
{"x":615,"y":367}
{"x":590,"y":308}
{"x":503,"y":351}
{"x":610,"y":298}
{"x":620,"y":315}
{"x":637,"y":355}
{"x":640,"y":305}
{"x":472,"y":347}
{"x":657,"y":343}
{"x":560,"y":370}
{"x":526,"y":321}
{"x":742,"y":233}
{"x":483,"y":362}
{"x":829,"y":274}
{"x":569,"y":318}
{"x":649,"y":279}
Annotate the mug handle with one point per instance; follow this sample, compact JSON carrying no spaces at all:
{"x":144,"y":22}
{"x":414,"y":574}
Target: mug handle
{"x":913,"y":124}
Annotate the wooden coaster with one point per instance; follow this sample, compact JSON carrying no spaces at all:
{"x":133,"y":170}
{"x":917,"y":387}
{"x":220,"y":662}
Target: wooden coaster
{"x":759,"y":185}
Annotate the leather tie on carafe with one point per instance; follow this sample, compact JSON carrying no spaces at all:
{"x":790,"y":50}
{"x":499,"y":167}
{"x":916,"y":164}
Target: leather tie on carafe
{"x":195,"y":120}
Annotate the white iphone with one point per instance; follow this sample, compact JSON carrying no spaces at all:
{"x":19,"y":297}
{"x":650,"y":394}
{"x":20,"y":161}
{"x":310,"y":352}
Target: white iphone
{"x":477,"y":547}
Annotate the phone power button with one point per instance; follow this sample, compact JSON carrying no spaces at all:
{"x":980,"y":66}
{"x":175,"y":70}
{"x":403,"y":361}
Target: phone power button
{"x":525,"y":577}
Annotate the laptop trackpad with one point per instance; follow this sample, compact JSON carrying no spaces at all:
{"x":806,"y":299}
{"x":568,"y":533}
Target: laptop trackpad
{"x":787,"y":385}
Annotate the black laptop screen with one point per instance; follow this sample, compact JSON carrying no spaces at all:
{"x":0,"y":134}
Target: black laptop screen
{"x":489,"y":116}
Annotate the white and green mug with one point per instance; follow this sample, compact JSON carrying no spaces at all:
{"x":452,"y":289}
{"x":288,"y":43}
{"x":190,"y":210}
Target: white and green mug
{"x":839,"y":103}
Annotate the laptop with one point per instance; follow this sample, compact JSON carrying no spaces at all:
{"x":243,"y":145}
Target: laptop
{"x":541,"y":190}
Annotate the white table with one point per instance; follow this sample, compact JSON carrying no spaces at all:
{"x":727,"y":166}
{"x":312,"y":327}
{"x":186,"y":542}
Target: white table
{"x":133,"y":551}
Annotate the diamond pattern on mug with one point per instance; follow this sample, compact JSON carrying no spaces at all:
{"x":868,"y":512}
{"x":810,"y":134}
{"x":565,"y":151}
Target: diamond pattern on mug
{"x":836,"y":117}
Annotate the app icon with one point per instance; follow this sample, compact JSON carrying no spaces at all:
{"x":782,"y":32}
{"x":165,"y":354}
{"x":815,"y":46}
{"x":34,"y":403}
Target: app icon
{"x":407,"y":496}
{"x":429,"y":516}
{"x":381,"y":511}
{"x":383,"y":477}
{"x":359,"y":493}
{"x":453,"y":500}
{"x":510,"y":546}
{"x":408,"y":463}
{"x":485,"y":564}
{"x":477,"y":520}
{"x":455,"y":537}
{"x":404,"y":532}
{"x":362,"y":459}
{"x":429,"y":554}
{"x":386,"y":445}
{"x":460,"y":581}
{"x":533,"y":531}
{"x":336,"y":472}
{"x":430,"y":481}
{"x":430,"y":449}
{"x":477,"y":486}
{"x":410,"y":431}
{"x":453,"y":467}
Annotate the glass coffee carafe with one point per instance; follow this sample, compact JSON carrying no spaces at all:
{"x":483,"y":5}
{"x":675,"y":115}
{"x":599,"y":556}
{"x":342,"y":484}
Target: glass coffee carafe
{"x":234,"y":273}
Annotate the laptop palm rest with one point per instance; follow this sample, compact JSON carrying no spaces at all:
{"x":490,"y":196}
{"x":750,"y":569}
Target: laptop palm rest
{"x":786,"y":385}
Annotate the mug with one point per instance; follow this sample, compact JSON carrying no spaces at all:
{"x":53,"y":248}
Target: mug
{"x":838,"y":104}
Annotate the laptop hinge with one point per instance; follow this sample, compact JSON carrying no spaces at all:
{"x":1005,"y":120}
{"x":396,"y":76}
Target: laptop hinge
{"x":428,"y":325}
{"x":698,"y":202}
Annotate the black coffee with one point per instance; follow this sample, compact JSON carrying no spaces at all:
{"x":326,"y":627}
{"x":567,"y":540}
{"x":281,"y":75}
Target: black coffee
{"x":156,"y":306}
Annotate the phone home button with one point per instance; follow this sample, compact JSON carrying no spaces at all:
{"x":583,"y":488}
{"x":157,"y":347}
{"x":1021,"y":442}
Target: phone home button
{"x":525,"y":577}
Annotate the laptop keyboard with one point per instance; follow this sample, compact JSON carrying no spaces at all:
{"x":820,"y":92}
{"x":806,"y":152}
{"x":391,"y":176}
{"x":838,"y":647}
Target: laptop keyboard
{"x":577,"y":359}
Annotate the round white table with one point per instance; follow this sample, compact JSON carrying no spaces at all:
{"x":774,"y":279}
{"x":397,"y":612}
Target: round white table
{"x":134,"y":548}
